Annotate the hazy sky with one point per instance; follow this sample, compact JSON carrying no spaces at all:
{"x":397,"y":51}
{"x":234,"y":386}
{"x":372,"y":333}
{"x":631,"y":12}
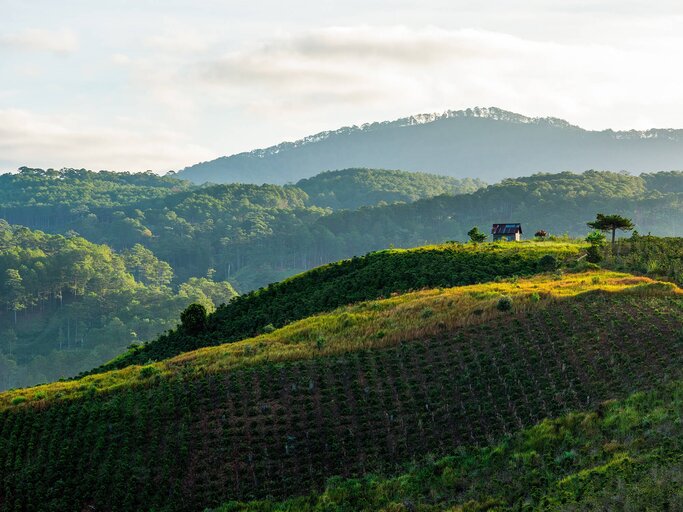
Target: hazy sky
{"x":135,"y":85}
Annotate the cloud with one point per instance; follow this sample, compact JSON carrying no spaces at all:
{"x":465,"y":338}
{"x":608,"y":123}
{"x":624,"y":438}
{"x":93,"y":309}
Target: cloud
{"x":41,"y":40}
{"x":400,"y":69}
{"x":31,"y":139}
{"x":179,"y":38}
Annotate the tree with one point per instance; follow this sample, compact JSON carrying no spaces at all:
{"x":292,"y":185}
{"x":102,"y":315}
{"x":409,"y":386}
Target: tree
{"x":16,"y":296}
{"x":193,"y":318}
{"x":611,"y":223}
{"x":476,"y":236}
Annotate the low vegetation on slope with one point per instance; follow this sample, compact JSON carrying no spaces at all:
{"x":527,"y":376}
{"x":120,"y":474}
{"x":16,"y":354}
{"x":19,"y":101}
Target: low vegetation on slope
{"x":364,"y":389}
{"x":375,"y":275}
{"x":624,"y":455}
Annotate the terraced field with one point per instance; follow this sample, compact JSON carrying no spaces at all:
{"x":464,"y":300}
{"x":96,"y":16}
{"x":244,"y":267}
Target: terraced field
{"x":623,"y":455}
{"x":343,"y":393}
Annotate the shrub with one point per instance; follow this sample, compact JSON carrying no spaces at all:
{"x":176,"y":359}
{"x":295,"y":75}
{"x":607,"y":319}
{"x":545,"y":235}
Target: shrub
{"x":18,"y":400}
{"x":320,"y":343}
{"x":268,"y":329}
{"x":504,"y":303}
{"x":593,"y":254}
{"x":535,"y":297}
{"x":548,"y":262}
{"x":148,"y":371}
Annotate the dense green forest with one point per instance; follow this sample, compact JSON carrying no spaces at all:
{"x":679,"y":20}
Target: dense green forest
{"x":351,"y":189}
{"x":254,"y":235}
{"x":196,"y":229}
{"x":69,"y":304}
{"x":369,"y":388}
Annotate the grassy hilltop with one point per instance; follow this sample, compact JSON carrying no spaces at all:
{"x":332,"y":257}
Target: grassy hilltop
{"x":365,"y":388}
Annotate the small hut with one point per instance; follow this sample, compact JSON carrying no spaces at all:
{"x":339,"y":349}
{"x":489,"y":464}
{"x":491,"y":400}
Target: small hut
{"x":507,"y":232}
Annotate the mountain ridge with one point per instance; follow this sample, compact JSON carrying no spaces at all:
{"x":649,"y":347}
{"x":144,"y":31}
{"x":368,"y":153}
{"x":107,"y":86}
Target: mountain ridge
{"x":487,"y":143}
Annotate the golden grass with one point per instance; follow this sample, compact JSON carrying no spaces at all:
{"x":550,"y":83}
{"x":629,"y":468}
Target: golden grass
{"x":367,"y":325}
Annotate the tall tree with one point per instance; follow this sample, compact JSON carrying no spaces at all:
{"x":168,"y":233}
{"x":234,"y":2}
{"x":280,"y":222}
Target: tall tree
{"x":15,"y":291}
{"x":611,"y":223}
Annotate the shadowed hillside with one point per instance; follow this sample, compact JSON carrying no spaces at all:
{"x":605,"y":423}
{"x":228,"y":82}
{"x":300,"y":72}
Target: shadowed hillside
{"x":366,"y":388}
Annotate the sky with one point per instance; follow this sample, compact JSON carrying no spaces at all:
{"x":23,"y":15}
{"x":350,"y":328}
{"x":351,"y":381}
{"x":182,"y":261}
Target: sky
{"x":160,"y":85}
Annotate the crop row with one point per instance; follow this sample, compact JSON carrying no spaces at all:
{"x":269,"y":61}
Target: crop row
{"x":282,"y":429}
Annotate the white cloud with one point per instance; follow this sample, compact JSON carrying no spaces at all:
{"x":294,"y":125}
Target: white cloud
{"x":120,"y":59}
{"x":53,"y":41}
{"x":30,"y":139}
{"x":179,"y":38}
{"x":323,"y":72}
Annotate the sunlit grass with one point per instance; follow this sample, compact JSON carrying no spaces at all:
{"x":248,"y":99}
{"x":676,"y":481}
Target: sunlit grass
{"x":367,"y":325}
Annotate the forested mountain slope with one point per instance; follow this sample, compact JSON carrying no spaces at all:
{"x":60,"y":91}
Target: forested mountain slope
{"x":486,"y":143}
{"x":200,"y":228}
{"x":378,"y":274}
{"x":51,"y":199}
{"x":69,"y":304}
{"x":350,"y":189}
{"x":254,"y":235}
{"x":366,"y":388}
{"x":558,"y":203}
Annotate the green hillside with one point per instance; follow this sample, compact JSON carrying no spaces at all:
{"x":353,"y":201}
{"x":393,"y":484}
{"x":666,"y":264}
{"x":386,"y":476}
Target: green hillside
{"x":372,"y":276}
{"x":367,"y":388}
{"x":623,"y":455}
{"x":355,"y":188}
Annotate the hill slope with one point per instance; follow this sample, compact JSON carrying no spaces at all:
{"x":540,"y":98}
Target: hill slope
{"x":486,"y":143}
{"x":368,"y":277}
{"x":366,"y":388}
{"x":625,"y":455}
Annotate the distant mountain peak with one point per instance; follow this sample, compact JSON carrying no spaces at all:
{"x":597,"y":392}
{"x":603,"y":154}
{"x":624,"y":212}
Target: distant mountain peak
{"x":481,"y":142}
{"x":494,"y":113}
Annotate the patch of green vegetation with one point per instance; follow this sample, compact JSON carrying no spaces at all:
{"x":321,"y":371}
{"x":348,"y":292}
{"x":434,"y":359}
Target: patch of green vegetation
{"x":369,"y":277}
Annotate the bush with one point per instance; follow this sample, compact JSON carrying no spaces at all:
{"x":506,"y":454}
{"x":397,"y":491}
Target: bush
{"x":268,"y":329}
{"x":504,"y":303}
{"x":593,"y":254}
{"x":148,"y":371}
{"x":548,"y":262}
{"x":18,"y":400}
